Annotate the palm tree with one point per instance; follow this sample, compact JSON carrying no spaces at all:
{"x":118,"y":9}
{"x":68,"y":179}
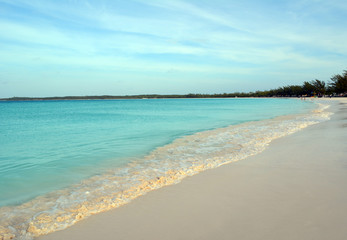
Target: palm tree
{"x":319,"y":87}
{"x":338,"y":83}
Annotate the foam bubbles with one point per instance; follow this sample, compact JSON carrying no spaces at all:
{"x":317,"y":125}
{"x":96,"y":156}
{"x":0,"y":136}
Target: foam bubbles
{"x":164,"y":166}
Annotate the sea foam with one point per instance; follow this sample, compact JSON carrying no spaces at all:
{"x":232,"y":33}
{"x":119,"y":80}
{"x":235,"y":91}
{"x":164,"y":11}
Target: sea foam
{"x":164,"y":166}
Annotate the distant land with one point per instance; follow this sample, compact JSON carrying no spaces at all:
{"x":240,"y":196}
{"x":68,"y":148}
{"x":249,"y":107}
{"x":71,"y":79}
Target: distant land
{"x":337,"y":87}
{"x":151,"y":96}
{"x":142,"y":96}
{"x":157,"y":96}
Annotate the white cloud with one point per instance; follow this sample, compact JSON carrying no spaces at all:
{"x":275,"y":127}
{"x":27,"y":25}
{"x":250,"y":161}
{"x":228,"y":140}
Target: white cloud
{"x":197,"y":38}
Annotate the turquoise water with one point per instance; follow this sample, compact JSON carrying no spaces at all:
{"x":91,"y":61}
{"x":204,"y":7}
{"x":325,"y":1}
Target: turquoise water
{"x":47,"y":146}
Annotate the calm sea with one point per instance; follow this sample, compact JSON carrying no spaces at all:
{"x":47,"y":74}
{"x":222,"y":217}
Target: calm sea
{"x":61,"y":161}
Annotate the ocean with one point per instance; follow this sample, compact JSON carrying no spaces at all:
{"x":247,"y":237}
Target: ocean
{"x":62,"y":161}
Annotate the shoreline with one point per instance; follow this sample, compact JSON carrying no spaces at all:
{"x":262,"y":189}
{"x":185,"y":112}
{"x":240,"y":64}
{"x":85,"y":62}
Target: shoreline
{"x":211,"y":148}
{"x":244,"y":199}
{"x":140,"y":97}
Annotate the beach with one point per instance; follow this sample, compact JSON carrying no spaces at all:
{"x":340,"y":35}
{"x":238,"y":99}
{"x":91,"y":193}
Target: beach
{"x":295,"y":189}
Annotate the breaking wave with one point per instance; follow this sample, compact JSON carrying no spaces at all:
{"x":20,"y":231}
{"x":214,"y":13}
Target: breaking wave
{"x":164,"y":166}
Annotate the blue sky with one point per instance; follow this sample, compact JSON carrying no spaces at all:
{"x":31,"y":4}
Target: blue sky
{"x":121,"y":47}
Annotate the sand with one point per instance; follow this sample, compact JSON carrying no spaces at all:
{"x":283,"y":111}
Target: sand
{"x":296,"y":189}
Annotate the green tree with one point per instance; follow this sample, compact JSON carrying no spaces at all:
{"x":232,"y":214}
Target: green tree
{"x":319,"y":87}
{"x":338,"y":83}
{"x":308,"y":89}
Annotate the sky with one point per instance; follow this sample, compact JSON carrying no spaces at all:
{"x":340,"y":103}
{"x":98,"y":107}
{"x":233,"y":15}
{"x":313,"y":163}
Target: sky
{"x":128,"y":47}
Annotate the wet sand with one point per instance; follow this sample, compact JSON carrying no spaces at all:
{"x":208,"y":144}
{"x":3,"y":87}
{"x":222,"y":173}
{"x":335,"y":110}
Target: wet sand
{"x":296,"y":189}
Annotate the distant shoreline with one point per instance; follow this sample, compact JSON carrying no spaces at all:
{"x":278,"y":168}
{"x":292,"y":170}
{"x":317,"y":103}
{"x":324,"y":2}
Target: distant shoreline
{"x":316,"y":88}
{"x":108,"y":97}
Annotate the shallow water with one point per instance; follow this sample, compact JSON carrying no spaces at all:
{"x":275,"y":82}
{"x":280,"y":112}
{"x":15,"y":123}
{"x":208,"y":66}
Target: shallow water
{"x":64,"y":160}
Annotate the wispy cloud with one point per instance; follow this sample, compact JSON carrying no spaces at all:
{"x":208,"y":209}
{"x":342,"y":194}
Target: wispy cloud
{"x":198,"y":39}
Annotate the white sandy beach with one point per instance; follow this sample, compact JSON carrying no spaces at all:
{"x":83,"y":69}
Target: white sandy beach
{"x":296,"y":189}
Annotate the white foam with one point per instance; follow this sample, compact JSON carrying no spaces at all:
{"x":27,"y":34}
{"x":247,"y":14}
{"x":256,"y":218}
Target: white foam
{"x":166,"y":165}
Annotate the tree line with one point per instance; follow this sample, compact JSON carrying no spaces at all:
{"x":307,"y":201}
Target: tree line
{"x":337,"y":86}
